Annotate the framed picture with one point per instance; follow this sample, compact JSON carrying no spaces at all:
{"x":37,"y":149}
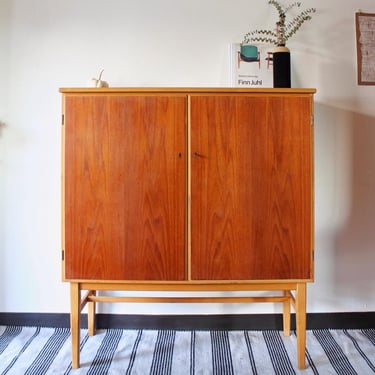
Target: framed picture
{"x":365,"y":35}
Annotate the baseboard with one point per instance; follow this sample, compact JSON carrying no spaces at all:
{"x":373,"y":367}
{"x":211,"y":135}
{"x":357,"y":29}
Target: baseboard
{"x":351,"y":320}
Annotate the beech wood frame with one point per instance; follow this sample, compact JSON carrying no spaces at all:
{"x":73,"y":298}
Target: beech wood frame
{"x":293,"y":294}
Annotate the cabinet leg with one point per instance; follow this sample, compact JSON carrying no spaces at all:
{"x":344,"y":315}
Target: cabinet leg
{"x":91,"y":315}
{"x":286,"y":314}
{"x":301,"y":323}
{"x":75,"y":322}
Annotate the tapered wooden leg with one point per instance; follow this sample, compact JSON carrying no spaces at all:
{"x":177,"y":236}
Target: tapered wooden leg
{"x":75,"y":321}
{"x":301,"y":323}
{"x":91,"y":315}
{"x":286,"y":314}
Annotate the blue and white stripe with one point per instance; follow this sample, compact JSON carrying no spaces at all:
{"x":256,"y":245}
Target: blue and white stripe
{"x":33,"y":350}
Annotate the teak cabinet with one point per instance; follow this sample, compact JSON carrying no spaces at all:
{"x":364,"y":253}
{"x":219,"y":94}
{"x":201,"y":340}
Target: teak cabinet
{"x":183,"y":189}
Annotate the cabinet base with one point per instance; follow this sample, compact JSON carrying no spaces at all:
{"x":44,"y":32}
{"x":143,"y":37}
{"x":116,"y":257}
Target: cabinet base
{"x":290,"y":294}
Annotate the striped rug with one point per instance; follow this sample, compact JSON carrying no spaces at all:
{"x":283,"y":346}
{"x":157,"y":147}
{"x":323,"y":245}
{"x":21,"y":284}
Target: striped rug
{"x":38,"y":351}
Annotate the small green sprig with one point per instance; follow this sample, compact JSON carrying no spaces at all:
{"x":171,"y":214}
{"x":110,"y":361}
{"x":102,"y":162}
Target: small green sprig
{"x":283,"y":31}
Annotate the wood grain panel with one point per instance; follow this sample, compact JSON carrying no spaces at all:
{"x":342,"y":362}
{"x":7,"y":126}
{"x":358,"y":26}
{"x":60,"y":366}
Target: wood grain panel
{"x":125,"y":187}
{"x":251,"y":187}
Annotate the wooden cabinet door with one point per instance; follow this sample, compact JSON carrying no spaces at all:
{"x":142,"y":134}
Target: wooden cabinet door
{"x":251,"y":187}
{"x":125,"y":187}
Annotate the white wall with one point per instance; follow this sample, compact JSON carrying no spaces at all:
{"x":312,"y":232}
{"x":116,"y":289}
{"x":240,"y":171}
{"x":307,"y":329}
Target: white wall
{"x":45,"y":45}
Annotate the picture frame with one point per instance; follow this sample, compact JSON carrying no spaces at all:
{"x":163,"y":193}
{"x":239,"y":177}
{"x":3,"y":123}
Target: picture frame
{"x":365,"y":38}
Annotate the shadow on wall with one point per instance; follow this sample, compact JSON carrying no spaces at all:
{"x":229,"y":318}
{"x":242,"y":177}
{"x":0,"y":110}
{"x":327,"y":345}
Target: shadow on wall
{"x":355,"y":241}
{"x":2,"y":235}
{"x":344,"y":206}
{"x":2,"y":127}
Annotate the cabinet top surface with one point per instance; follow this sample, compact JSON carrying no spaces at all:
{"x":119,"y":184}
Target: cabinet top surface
{"x":185,"y":90}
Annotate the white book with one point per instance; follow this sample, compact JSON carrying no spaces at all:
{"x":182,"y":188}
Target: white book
{"x":256,"y":72}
